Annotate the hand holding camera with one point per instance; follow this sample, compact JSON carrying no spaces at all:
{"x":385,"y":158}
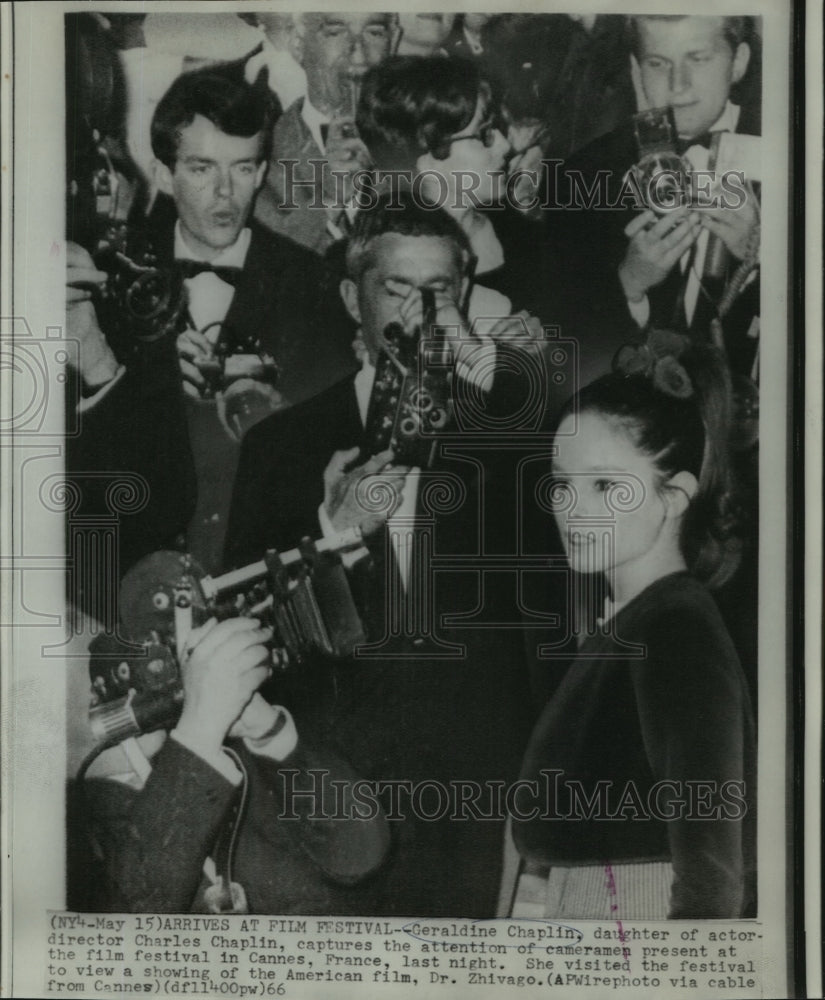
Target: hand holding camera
{"x":656,"y":245}
{"x":738,"y":228}
{"x":346,"y":155}
{"x":239,"y":377}
{"x":223,"y":666}
{"x":347,"y":489}
{"x":197,"y":362}
{"x":98,"y":364}
{"x":412,"y":310}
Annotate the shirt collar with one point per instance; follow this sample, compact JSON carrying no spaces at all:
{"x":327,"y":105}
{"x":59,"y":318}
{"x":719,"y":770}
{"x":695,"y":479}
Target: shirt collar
{"x":364,"y":380}
{"x":697,"y":154}
{"x":728,"y":120}
{"x":314,"y":119}
{"x":231,"y":256}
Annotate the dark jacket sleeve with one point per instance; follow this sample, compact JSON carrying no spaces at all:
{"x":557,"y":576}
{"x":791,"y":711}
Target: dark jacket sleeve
{"x":320,"y":805}
{"x":694,"y":715}
{"x":137,"y":428}
{"x":279,"y":484}
{"x":278,"y":487}
{"x":154,"y":842}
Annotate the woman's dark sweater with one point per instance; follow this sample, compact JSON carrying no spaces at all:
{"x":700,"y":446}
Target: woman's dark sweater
{"x":647,"y":752}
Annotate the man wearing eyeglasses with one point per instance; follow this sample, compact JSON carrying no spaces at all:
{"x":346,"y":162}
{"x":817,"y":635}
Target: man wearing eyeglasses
{"x":428,"y":704}
{"x":316,"y":147}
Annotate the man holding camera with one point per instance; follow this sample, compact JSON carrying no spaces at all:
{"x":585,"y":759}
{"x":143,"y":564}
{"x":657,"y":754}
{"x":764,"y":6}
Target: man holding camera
{"x":316,"y":147}
{"x":231,"y":811}
{"x":626,"y":264}
{"x":249,"y":294}
{"x":426,"y":704}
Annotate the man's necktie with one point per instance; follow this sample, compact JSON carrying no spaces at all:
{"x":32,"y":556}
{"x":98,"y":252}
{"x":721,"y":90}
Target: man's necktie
{"x":192,"y":268}
{"x":683,"y":145}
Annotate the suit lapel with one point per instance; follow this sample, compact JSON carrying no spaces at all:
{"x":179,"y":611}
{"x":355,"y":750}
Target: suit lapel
{"x":246,"y":308}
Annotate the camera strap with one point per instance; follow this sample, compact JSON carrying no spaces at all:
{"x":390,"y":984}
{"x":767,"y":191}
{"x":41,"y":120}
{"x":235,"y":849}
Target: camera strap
{"x":225,"y":895}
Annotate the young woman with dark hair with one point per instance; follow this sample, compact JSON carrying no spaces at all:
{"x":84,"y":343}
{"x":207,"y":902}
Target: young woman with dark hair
{"x":645,"y":753}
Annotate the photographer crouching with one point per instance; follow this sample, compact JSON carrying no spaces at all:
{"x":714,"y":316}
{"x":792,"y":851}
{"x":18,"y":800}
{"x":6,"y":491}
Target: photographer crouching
{"x":230,"y":811}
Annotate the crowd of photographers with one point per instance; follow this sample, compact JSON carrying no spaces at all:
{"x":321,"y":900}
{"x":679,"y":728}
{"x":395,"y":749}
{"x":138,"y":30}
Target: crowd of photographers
{"x":301,"y":183}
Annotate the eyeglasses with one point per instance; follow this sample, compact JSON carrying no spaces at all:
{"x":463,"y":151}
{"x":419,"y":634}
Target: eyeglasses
{"x":486,"y":134}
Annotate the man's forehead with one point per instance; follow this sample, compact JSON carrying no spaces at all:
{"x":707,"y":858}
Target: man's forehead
{"x":355,"y":22}
{"x":688,"y":33}
{"x":417,"y":259}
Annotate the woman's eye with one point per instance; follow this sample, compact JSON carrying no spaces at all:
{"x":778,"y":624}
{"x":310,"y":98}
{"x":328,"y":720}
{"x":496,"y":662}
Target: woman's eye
{"x":603,"y":485}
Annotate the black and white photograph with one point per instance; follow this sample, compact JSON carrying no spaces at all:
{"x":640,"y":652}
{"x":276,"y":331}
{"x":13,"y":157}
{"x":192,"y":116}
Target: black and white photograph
{"x":401,"y":446}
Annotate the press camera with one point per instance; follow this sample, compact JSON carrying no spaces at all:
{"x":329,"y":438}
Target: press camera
{"x":303,"y":594}
{"x":662,"y":175}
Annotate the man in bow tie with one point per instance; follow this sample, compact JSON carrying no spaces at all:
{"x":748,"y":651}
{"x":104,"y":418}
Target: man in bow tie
{"x":624,"y":266}
{"x":248,"y":292}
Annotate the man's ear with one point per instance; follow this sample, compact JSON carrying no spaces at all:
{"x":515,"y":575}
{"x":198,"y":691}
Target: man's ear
{"x":679,"y":491}
{"x":349,"y":296}
{"x":162,"y":176}
{"x":741,"y":59}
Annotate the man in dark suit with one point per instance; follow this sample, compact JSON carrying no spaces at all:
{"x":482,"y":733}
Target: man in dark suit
{"x":428,"y":704}
{"x":624,"y":266}
{"x":623,"y":269}
{"x":246,"y":291}
{"x":316,"y":147}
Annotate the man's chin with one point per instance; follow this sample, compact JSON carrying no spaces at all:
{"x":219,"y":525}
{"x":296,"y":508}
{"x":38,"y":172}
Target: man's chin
{"x":221,"y":237}
{"x":688,"y":127}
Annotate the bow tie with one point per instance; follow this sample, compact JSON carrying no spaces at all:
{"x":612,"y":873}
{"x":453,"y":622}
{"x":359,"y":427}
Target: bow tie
{"x":192,"y":268}
{"x":704,"y":139}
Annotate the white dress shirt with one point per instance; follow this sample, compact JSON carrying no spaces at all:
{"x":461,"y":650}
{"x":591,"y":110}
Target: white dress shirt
{"x":210,"y":296}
